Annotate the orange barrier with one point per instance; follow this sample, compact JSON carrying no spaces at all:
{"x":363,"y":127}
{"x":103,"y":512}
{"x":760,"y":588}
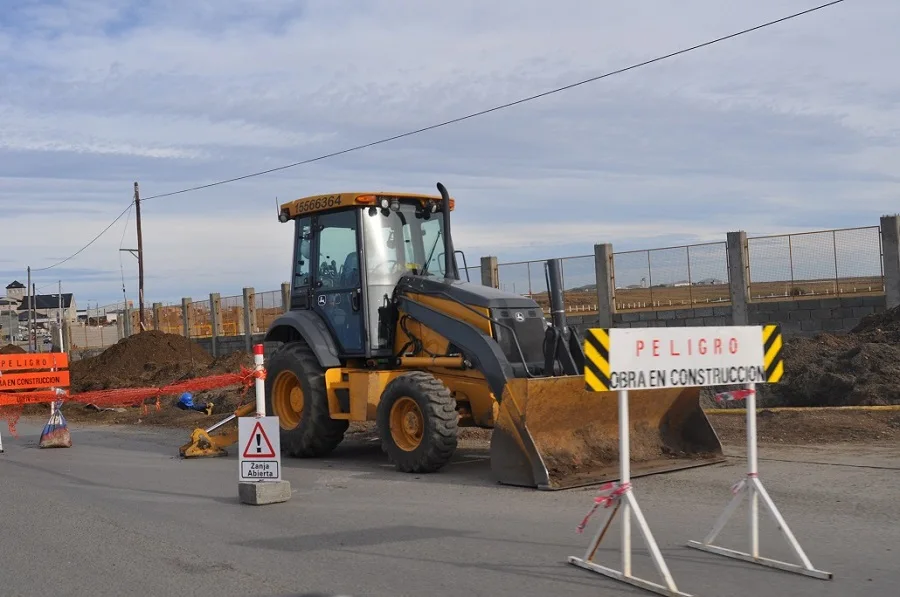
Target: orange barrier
{"x":30,"y":385}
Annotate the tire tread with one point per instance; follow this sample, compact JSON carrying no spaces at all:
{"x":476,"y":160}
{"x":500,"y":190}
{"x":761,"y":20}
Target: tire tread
{"x":441,"y":422}
{"x":318,"y":434}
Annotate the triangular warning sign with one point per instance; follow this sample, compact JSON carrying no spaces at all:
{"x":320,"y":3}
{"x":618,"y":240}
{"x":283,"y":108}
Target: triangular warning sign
{"x":259,"y":445}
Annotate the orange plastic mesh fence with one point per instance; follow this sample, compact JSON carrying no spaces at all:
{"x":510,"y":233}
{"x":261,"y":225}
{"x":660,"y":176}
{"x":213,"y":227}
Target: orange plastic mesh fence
{"x":12,"y":403}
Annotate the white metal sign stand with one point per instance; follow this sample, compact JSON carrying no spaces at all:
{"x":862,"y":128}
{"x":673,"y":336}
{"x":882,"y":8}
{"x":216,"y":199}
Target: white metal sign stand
{"x":623,"y":497}
{"x":754,"y":486}
{"x":259,"y":459}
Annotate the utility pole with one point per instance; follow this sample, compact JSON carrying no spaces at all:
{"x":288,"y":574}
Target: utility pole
{"x":59,"y":319}
{"x":140,"y":252}
{"x":30,"y":300}
{"x":33,"y":312}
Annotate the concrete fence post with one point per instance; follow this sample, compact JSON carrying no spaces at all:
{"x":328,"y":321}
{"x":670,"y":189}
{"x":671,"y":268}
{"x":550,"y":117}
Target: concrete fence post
{"x":606,"y":280}
{"x":120,"y":327}
{"x":66,"y":335}
{"x":215,"y":320}
{"x":249,"y":317}
{"x":490,"y":272}
{"x":186,"y":316}
{"x":890,"y":249}
{"x":157,"y":316}
{"x":739,"y":277}
{"x":286,"y":296}
{"x":127,"y":315}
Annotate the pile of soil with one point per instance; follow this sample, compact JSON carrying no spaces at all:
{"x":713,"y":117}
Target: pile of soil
{"x":147,"y":360}
{"x":139,"y":358}
{"x":859,"y":368}
{"x":151,"y":359}
{"x":12,"y":349}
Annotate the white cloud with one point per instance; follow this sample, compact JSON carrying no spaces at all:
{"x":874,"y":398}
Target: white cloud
{"x":790,"y":128}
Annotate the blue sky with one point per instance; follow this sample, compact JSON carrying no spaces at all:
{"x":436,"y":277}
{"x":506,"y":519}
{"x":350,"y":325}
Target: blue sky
{"x":791,"y":128}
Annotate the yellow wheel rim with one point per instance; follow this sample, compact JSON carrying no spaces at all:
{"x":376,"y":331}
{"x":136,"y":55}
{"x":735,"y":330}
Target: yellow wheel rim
{"x":287,"y":399}
{"x":407,"y":424}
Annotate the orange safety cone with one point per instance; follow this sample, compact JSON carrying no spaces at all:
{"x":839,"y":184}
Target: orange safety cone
{"x":56,"y":431}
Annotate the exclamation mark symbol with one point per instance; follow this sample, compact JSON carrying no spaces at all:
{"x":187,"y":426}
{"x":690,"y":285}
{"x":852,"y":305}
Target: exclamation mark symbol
{"x":258,"y":443}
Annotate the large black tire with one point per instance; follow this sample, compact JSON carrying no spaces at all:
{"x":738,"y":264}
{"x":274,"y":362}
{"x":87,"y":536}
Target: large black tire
{"x":428,"y":401}
{"x":312,"y":432}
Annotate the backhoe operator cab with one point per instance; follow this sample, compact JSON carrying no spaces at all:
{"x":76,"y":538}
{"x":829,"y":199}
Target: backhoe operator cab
{"x":351,"y":251}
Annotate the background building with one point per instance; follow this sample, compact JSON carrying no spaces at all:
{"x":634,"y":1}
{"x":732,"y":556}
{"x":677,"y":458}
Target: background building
{"x":50,"y":306}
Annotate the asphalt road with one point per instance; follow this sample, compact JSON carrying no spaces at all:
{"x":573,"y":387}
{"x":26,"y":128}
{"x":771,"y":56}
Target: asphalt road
{"x":120,"y":514}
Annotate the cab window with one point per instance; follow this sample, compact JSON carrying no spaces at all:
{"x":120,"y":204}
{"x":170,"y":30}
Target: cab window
{"x":304,"y":242}
{"x":338,"y":263}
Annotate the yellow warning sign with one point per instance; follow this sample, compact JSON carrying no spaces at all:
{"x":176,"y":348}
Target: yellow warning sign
{"x":773,"y":362}
{"x":596,"y":360}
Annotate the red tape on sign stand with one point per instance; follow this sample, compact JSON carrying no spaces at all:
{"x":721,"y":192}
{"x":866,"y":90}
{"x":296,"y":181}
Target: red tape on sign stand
{"x":622,"y":497}
{"x":752,"y":485}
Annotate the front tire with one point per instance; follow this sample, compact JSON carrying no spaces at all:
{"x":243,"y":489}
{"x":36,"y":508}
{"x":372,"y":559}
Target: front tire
{"x":417,"y":421}
{"x":295,"y":393}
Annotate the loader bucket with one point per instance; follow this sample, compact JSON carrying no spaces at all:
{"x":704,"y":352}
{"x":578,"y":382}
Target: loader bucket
{"x":211,"y":442}
{"x":551,"y":433}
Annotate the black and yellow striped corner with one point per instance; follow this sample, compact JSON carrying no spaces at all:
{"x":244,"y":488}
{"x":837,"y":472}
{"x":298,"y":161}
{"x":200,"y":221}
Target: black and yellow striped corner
{"x":773,"y":360}
{"x":596,"y":360}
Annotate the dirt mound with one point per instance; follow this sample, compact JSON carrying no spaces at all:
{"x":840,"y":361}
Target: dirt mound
{"x":886,"y":323}
{"x":12,"y":349}
{"x":151,"y":357}
{"x":861,"y":367}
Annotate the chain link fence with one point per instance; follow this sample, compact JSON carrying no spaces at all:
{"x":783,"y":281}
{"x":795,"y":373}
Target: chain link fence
{"x":231,"y":313}
{"x":201,"y":321}
{"x":579,"y":282}
{"x":816,"y":264}
{"x":683,"y":276}
{"x":269,"y":305}
{"x":171,"y":319}
{"x":529,"y":278}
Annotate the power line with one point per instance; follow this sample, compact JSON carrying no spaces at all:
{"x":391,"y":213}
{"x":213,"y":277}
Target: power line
{"x":497,"y":108}
{"x":461,"y":118}
{"x":76,"y":253}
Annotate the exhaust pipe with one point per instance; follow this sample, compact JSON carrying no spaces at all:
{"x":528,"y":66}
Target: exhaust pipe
{"x":562,"y":344}
{"x":450,"y":270}
{"x":557,"y":304}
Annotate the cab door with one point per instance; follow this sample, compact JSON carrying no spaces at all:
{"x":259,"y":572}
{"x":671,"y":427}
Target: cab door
{"x":336,"y":278}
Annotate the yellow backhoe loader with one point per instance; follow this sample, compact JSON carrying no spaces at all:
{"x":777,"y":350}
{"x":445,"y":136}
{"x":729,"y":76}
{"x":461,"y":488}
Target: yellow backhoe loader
{"x":380,"y":327}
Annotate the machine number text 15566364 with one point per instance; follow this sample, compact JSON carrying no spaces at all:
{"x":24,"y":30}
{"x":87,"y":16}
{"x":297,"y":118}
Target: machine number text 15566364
{"x":322,"y":202}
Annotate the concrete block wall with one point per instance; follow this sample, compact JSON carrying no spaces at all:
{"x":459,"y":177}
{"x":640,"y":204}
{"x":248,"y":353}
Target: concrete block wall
{"x":810,"y":317}
{"x":225,"y":345}
{"x":674,"y":318}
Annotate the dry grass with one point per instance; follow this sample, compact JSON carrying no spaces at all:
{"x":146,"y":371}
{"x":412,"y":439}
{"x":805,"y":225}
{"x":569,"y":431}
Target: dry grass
{"x":683,"y":297}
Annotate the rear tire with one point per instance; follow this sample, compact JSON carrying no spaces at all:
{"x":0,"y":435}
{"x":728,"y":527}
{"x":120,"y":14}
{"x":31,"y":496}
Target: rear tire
{"x":295,"y":393}
{"x":417,"y":422}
